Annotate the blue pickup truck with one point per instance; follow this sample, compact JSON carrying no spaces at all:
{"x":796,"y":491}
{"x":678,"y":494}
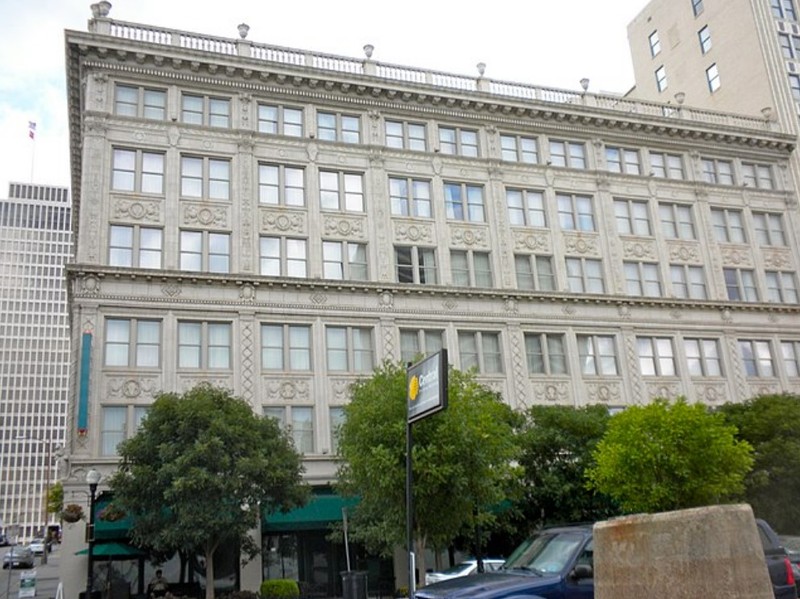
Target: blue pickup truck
{"x":557,"y":563}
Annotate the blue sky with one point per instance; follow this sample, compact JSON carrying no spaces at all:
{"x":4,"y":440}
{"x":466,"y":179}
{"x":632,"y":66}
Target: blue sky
{"x":535,"y":41}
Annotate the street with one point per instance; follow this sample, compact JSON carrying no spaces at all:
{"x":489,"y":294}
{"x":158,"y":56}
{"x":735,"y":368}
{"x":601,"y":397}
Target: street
{"x":47,"y":578}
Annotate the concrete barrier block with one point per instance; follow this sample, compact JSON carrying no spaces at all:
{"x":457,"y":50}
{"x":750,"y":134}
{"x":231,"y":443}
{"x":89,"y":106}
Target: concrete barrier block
{"x":710,"y":552}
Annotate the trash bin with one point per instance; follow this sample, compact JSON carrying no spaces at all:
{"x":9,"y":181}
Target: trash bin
{"x":354,"y":584}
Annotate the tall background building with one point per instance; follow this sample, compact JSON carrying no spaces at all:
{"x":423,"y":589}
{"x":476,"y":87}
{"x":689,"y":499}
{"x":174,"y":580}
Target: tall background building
{"x":280,"y":221}
{"x":35,"y":245}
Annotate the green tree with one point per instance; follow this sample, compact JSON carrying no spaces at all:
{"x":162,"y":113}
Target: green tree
{"x":200,"y":472}
{"x":462,"y":461}
{"x":666,"y":456}
{"x":771,"y":424}
{"x":556,"y":448}
{"x":55,"y":498}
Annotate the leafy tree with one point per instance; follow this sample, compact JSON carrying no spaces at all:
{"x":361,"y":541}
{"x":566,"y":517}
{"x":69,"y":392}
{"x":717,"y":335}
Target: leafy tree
{"x":556,"y":448}
{"x":462,"y":461}
{"x":201,"y":470}
{"x":771,"y":424}
{"x":55,"y":498}
{"x":666,"y":456}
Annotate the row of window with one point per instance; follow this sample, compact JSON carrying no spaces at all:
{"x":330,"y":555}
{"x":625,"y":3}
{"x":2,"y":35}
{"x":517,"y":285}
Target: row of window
{"x":712,"y":71}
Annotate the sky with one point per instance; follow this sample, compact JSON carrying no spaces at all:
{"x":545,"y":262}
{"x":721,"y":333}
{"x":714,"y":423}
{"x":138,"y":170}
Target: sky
{"x":540,"y":42}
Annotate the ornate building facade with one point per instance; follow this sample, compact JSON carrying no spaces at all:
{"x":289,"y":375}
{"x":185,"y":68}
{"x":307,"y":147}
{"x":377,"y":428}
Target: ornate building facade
{"x":280,"y":221}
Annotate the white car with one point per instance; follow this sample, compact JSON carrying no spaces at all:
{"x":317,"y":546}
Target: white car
{"x":37,"y":546}
{"x":465,"y":568}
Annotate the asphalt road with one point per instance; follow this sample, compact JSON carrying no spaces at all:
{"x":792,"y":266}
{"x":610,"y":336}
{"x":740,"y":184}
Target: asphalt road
{"x":46,"y":577}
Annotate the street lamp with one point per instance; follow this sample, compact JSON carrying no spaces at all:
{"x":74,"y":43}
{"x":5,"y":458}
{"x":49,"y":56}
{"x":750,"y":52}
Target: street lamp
{"x":92,"y":479}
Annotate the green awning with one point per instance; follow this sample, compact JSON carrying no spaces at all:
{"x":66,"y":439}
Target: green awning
{"x":105,"y":529}
{"x":113,"y":550}
{"x":317,"y":514}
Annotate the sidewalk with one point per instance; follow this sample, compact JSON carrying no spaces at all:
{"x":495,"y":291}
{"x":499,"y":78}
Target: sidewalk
{"x":47,"y":577}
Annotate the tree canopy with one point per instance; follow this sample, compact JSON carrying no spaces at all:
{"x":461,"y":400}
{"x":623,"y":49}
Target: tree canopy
{"x":462,"y":461}
{"x":556,"y":447}
{"x":771,"y":424}
{"x":666,"y":456}
{"x":201,"y":471}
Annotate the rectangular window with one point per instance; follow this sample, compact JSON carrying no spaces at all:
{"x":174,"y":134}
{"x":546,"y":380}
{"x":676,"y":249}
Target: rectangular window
{"x":140,"y":102}
{"x":518,"y":148}
{"x":768,"y":227}
{"x":349,"y":349}
{"x":546,"y":353}
{"x":790,"y":350}
{"x":712,"y":76}
{"x":205,"y":178}
{"x":781,"y":287}
{"x":336,"y":419}
{"x":575,"y":212}
{"x":784,"y":9}
{"x":406,"y":136}
{"x":280,"y":120}
{"x":526,"y":208}
{"x":598,"y":355}
{"x":787,"y":47}
{"x":333,"y":126}
{"x":480,"y":350}
{"x":410,"y":197}
{"x":641,"y":279}
{"x":677,"y":221}
{"x":623,"y":160}
{"x":688,"y":282}
{"x":655,"y":43}
{"x":283,"y":257}
{"x":205,"y":251}
{"x":134,"y":246}
{"x":632,"y":217}
{"x":280,"y":185}
{"x":115,"y":429}
{"x":757,"y":175}
{"x":757,"y":358}
{"x":668,"y":166}
{"x":740,"y":284}
{"x":704,"y":35}
{"x":302,"y":428}
{"x":417,"y":343}
{"x":415,"y":265}
{"x":344,"y":261}
{"x":703,"y":358}
{"x":697,"y":7}
{"x":656,"y":356}
{"x":585,"y":275}
{"x":285,"y":347}
{"x":470,"y":268}
{"x":132,"y":343}
{"x":464,"y":202}
{"x":205,"y":110}
{"x":728,"y":225}
{"x":661,"y":78}
{"x":458,"y":142}
{"x":570,"y":154}
{"x":535,"y":272}
{"x":794,"y":84}
{"x":138,"y":171}
{"x":341,"y":191}
{"x":204,"y":345}
{"x":717,"y":172}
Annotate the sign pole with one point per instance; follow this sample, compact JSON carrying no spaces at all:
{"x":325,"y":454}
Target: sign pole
{"x":412,"y":566}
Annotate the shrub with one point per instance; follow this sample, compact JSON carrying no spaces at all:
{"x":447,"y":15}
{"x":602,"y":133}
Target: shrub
{"x":280,"y":588}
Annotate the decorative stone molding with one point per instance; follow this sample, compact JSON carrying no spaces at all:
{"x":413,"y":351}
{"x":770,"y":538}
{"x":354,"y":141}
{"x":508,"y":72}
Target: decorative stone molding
{"x":534,"y":242}
{"x":552,"y":392}
{"x":764,"y":388}
{"x":608,"y":393}
{"x":188,"y":382}
{"x":312,"y":150}
{"x":663,"y":389}
{"x":132,"y":388}
{"x":90,"y":285}
{"x":779,"y":259}
{"x":340,"y":389}
{"x":319,"y":298}
{"x":171,"y":289}
{"x":581,"y":244}
{"x":386,"y":300}
{"x":247,"y":351}
{"x":569,"y":309}
{"x":350,"y":228}
{"x":247,"y":293}
{"x":436,"y":164}
{"x":511,"y":305}
{"x":450,"y":304}
{"x":194,"y":214}
{"x":287,"y":390}
{"x":624,"y":311}
{"x":468,"y":237}
{"x":173,"y":136}
{"x":283,"y":222}
{"x":683,"y":253}
{"x":639,"y":250}
{"x":736,"y":256}
{"x":413,"y":232}
{"x":138,"y":210}
{"x":710,"y":393}
{"x":99,"y":88}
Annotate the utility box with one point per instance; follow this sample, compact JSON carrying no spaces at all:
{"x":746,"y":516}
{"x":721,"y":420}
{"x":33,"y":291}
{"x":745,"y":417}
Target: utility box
{"x":354,"y":584}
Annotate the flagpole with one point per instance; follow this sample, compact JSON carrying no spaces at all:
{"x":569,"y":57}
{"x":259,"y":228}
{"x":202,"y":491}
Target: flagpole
{"x":32,"y":135}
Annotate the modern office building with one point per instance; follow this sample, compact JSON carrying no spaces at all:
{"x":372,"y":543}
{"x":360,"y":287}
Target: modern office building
{"x":280,"y":221}
{"x":35,"y":245}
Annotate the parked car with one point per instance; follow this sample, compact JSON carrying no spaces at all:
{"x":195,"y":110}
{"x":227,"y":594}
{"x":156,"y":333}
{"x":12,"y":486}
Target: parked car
{"x":781,"y":570}
{"x":18,"y":557}
{"x":4,"y":541}
{"x":465,"y":568}
{"x":37,"y":546}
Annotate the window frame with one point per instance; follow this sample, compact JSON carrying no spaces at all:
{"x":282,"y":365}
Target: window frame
{"x":754,"y":361}
{"x":209,"y":117}
{"x":624,"y":161}
{"x":667,"y":169}
{"x":781,"y":286}
{"x":207,"y":257}
{"x":588,"y":280}
{"x":292,"y":357}
{"x":138,"y":177}
{"x":348,"y":199}
{"x":654,"y":43}
{"x":714,"y":174}
{"x":286,"y":258}
{"x":513,"y":148}
{"x":728,"y":225}
{"x":134,"y":344}
{"x":656,"y":356}
{"x":421,"y":266}
{"x":685,"y":281}
{"x":704,"y":37}
{"x":475,"y":276}
{"x":407,"y":141}
{"x":348,"y":267}
{"x":547,"y":354}
{"x":459,"y":142}
{"x":712,"y":77}
{"x":481,"y":355}
{"x":629,"y":219}
{"x":765,"y":233}
{"x":205,"y":349}
{"x":283,"y":185}
{"x":758,"y":175}
{"x":282,"y":125}
{"x":210,"y":184}
{"x":571,"y":213}
{"x":340,"y":132}
{"x":647,"y":280}
{"x":137,"y":248}
{"x":572,"y":154}
{"x":141,"y":107}
{"x":354,"y":362}
{"x":464,"y":208}
{"x":539,"y":280}
{"x":594,"y":362}
{"x":410,"y":203}
{"x":699,"y":363}
{"x":679,"y":227}
{"x":424,"y":344}
{"x":740,"y":284}
{"x":661,"y":78}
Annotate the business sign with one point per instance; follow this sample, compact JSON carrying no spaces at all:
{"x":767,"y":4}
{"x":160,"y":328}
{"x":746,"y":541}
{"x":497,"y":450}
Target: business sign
{"x":27,"y":584}
{"x":427,"y":386}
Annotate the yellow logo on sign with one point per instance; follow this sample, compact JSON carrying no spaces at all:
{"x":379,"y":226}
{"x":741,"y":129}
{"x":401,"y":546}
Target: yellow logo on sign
{"x":413,"y":388}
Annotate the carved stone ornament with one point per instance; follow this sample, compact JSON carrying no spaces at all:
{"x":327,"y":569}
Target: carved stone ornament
{"x":552,"y":392}
{"x":579,"y":244}
{"x":344,"y":227}
{"x":684,"y":253}
{"x":736,"y":257}
{"x":201,"y":215}
{"x":132,"y":389}
{"x":535,"y":242}
{"x":463,"y":237}
{"x":90,"y":285}
{"x":605,"y":393}
{"x":171,"y":289}
{"x":663,"y":390}
{"x":386,"y":300}
{"x":247,"y":293}
{"x":139,"y":210}
{"x":779,"y":259}
{"x":286,"y":390}
{"x":638,"y":249}
{"x":283,"y":222}
{"x":413,"y":232}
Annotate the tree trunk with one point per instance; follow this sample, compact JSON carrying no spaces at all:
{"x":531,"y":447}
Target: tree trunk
{"x":419,"y":552}
{"x":209,"y":573}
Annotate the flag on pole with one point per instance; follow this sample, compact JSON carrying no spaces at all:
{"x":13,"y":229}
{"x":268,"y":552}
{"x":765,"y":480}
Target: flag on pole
{"x":31,"y":129}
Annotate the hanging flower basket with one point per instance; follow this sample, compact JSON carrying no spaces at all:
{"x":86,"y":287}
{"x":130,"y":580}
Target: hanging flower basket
{"x":111,"y":513}
{"x":72,"y":512}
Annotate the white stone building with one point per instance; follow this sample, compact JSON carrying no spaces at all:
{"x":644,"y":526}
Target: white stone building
{"x":280,"y":221}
